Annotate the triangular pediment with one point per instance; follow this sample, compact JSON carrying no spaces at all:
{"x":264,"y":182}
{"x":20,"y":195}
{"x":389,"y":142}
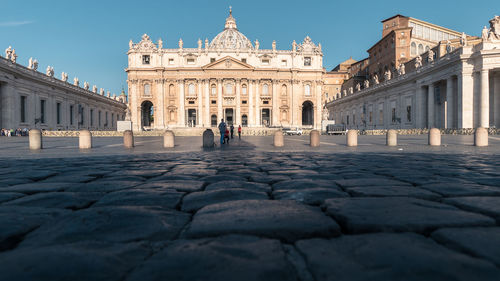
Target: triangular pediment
{"x":228,"y":63}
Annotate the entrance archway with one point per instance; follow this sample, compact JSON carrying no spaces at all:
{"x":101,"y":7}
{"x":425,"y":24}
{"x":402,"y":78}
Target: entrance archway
{"x":266,"y":117}
{"x":147,"y":114}
{"x":229,"y":116}
{"x":191,"y":117}
{"x":307,"y":113}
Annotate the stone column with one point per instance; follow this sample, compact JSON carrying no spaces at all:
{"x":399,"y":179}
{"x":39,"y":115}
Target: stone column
{"x":319,"y":107}
{"x":238,"y":103}
{"x":182,"y":101}
{"x":465,"y":90}
{"x":430,"y":106}
{"x":293,"y":105}
{"x":220,"y":115}
{"x":484,"y":120}
{"x":450,"y":103}
{"x":207,"y":103}
{"x":275,"y":101}
{"x":8,"y":107}
{"x":199,"y":114}
{"x":161,"y":104}
{"x":251,"y":112}
{"x":496,"y":99}
{"x":135,"y":108}
{"x":257,"y":104}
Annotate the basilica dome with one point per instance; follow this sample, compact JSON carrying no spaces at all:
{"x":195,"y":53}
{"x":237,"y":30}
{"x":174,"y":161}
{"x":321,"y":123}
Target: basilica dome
{"x":230,"y":37}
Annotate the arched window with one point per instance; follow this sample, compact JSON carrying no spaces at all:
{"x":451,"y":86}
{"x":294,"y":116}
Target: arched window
{"x":413,"y":49}
{"x":244,"y":89}
{"x":307,"y":90}
{"x":283,"y":90}
{"x":229,"y":89}
{"x":191,"y":89}
{"x":213,"y":120}
{"x":427,"y":48}
{"x":147,"y":89}
{"x":213,"y":91}
{"x":265,"y":89}
{"x":171,"y":90}
{"x":420,"y":49}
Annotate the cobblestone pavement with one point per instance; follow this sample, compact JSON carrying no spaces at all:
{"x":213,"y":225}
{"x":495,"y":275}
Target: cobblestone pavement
{"x":249,"y":213}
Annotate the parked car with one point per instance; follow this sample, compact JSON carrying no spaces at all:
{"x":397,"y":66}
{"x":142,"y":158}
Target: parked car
{"x":334,"y":129}
{"x":292,"y":131}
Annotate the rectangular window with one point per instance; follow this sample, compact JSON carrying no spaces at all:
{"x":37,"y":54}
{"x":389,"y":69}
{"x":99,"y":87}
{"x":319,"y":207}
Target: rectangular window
{"x":370,"y":116}
{"x":214,"y":102}
{"x":58,"y":113}
{"x":145,"y":59}
{"x":408,"y":113}
{"x":212,"y":60}
{"x":244,"y":102}
{"x":191,"y":102}
{"x":71,"y":115}
{"x":347,"y":119}
{"x":112,"y":119}
{"x":23,"y":109}
{"x":99,"y":119}
{"x":283,"y":63}
{"x":266,"y":102}
{"x":265,"y":61}
{"x":393,"y":115}
{"x":91,"y":117}
{"x":42,"y":111}
{"x":244,"y":60}
{"x":190,"y":61}
{"x":170,"y":61}
{"x":106,"y":120}
{"x":403,"y":55}
{"x":307,"y":61}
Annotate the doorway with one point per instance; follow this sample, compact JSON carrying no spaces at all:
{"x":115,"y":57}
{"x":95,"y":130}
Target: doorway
{"x":266,"y":117}
{"x":229,"y":116}
{"x":147,"y":114}
{"x":307,"y":114}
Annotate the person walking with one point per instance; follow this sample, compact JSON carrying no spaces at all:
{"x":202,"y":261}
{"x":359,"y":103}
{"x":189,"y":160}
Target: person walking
{"x":232,"y":130}
{"x":239,"y":132}
{"x":222,"y":130}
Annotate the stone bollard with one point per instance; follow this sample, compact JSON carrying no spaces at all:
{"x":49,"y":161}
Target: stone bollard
{"x":314,"y":138}
{"x":279,"y":140}
{"x":481,"y":137}
{"x":434,"y":137}
{"x":352,"y":138}
{"x":392,"y":138}
{"x":35,"y":139}
{"x":208,"y":138}
{"x":128,"y":139}
{"x":168,"y":139}
{"x":85,"y":139}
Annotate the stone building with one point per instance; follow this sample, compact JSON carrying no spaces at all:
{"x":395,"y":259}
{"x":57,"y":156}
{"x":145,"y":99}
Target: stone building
{"x":228,"y":77}
{"x":31,"y":99}
{"x":456,"y":84}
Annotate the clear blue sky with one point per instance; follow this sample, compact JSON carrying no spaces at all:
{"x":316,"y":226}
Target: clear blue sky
{"x":89,"y":39}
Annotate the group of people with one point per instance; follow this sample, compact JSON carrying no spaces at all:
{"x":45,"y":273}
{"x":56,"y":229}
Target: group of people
{"x":225,"y":132}
{"x":11,"y":133}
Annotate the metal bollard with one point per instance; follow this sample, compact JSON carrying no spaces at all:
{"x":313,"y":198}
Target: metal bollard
{"x":128,"y":139}
{"x":314,"y":138}
{"x":434,"y":137}
{"x":392,"y":138}
{"x":352,"y":138}
{"x":168,"y":139}
{"x":85,"y":139}
{"x":279,"y":140}
{"x":481,"y":137}
{"x":35,"y":139}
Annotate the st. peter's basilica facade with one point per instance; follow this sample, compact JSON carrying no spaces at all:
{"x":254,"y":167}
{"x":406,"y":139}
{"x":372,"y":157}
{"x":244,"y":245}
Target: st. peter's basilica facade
{"x":229,"y":77}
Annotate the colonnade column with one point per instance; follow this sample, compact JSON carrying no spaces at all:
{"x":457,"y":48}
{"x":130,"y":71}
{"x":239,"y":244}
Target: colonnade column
{"x":199,"y":114}
{"x":251,"y":119}
{"x":319,"y":106}
{"x":450,"y":103}
{"x":182,"y":100}
{"x":207,"y":103}
{"x":293,"y":104}
{"x":257,"y":104}
{"x":484,"y":120}
{"x":219,"y":101}
{"x":430,"y":106}
{"x":161,"y":105}
{"x":238,"y":103}
{"x":275,"y":102}
{"x":419,"y":107}
{"x":496,"y":99}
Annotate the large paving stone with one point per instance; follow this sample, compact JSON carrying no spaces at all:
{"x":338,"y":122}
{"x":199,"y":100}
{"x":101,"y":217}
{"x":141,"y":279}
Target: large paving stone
{"x":391,"y":191}
{"x":103,"y":186}
{"x":358,"y":215}
{"x":179,"y":185}
{"x":286,"y":220}
{"x":388,"y":256}
{"x":79,"y":261}
{"x":32,"y":188}
{"x":452,"y":189}
{"x":167,"y":198}
{"x":310,"y":196}
{"x":357,"y":182}
{"x":270,"y":179}
{"x":218,"y":178}
{"x":145,"y":173}
{"x":65,"y":200}
{"x":253,"y":186}
{"x":485,"y":205}
{"x":482,"y":242}
{"x":305,"y":184}
{"x":197,"y":200}
{"x":112,"y":224}
{"x":233,"y":257}
{"x":200,"y":172}
{"x":292,"y":172}
{"x":16,"y":222}
{"x":7,"y":196}
{"x":69,"y":177}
